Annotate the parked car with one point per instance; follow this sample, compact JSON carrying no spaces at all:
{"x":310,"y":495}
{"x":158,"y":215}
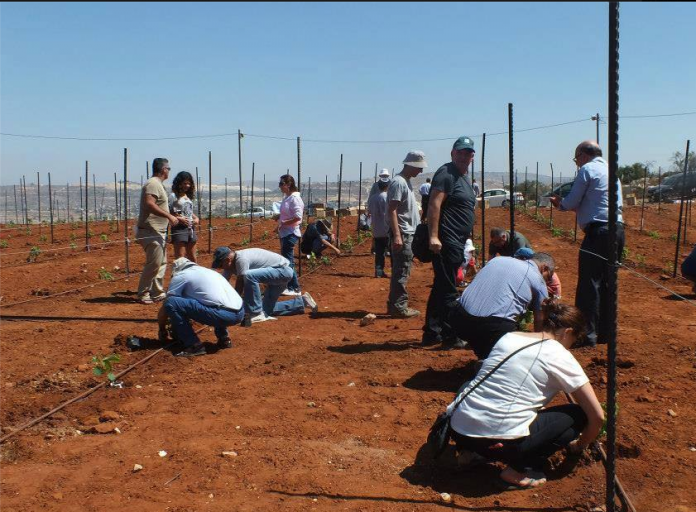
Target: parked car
{"x":258,"y":212}
{"x":497,"y":197}
{"x":561,"y":190}
{"x":671,"y":188}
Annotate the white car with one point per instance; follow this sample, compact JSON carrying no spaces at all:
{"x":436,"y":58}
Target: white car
{"x":499,"y":197}
{"x":258,"y":212}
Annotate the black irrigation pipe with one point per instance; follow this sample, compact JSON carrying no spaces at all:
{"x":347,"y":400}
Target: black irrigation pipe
{"x":623,"y":495}
{"x":681,"y":210}
{"x":99,"y":386}
{"x":72,"y":318}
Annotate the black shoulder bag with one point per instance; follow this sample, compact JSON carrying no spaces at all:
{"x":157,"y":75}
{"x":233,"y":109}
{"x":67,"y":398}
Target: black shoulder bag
{"x":440,"y":432}
{"x":421,"y":244}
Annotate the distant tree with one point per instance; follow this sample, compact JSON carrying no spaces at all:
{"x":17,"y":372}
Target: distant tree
{"x":629,"y":173}
{"x":531,"y":188}
{"x":678,"y":163}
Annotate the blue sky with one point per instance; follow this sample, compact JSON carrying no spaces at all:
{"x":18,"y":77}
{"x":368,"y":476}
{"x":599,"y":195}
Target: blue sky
{"x":339,"y":71}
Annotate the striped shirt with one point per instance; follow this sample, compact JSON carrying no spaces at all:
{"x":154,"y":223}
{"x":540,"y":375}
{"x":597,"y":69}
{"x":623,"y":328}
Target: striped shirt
{"x":505,"y":288}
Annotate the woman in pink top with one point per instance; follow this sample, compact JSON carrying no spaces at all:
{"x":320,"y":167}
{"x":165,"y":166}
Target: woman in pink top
{"x":291,"y":211}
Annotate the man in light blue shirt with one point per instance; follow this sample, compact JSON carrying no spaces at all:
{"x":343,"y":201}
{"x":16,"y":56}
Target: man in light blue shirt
{"x":589,"y":198}
{"x":499,"y":294}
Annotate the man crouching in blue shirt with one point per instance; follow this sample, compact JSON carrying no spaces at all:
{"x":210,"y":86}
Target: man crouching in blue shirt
{"x":501,"y":291}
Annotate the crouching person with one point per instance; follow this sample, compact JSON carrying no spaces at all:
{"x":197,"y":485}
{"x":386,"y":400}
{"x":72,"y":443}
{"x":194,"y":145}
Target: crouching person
{"x":254,"y":267}
{"x":505,"y":419}
{"x":200,"y":294}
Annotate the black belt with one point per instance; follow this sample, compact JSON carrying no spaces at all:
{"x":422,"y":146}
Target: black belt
{"x":598,"y":224}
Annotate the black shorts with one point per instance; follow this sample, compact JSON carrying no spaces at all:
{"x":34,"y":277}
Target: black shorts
{"x":185,"y":236}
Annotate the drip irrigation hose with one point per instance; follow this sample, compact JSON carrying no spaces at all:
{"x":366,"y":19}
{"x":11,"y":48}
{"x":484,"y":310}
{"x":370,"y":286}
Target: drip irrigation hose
{"x":98,"y":386}
{"x":623,"y":495}
{"x":70,"y":318}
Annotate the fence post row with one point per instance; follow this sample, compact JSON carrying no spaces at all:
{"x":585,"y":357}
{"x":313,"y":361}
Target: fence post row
{"x":550,"y":205}
{"x":50,"y":204}
{"x":359,"y":197}
{"x":512,"y":177}
{"x":681,"y":210}
{"x":483,"y":201}
{"x":87,"y":206}
{"x":338,"y":210}
{"x":125,"y":208}
{"x":210,"y":202}
{"x":239,"y":153}
{"x":251,"y":209}
{"x":612,"y":263}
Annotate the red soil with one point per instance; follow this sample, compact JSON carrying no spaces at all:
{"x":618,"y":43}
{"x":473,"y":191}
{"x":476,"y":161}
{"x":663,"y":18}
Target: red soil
{"x":321,"y":412}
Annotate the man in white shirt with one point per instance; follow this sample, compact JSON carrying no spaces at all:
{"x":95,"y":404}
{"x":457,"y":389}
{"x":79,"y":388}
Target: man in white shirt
{"x":200,"y":294}
{"x":254,"y":267}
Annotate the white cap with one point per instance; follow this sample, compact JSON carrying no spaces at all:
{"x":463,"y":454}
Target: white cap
{"x":384,"y":173}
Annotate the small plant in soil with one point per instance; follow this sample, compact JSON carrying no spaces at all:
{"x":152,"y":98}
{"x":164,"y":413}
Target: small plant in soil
{"x":73,"y":245}
{"x":603,"y":431}
{"x":28,"y":232}
{"x":265,"y":235}
{"x":43,"y":238}
{"x":4,"y":244}
{"x":104,"y":237}
{"x":556,"y":232}
{"x":244,"y":242}
{"x":654,"y":234}
{"x":640,"y":259}
{"x":348,"y":244}
{"x":73,"y":236}
{"x":325,"y":260}
{"x":668,"y":268}
{"x":673,"y":237}
{"x":312,"y":261}
{"x":33,"y":254}
{"x":105,"y":275}
{"x":104,"y":365}
{"x":625,"y":253}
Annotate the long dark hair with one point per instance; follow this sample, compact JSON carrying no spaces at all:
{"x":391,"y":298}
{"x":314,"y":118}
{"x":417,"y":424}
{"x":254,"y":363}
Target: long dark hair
{"x":287,"y":179}
{"x":179,"y":181}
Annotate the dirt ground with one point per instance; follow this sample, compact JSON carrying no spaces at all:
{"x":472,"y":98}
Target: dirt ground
{"x":319,"y":412}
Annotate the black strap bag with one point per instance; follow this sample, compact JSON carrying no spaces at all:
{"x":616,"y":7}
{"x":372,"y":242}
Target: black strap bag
{"x":441,"y":431}
{"x":421,"y":244}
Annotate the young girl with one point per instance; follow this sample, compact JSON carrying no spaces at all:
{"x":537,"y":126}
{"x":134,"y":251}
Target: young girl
{"x":183,"y":235}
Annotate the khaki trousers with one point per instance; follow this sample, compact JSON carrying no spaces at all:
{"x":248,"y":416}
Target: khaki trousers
{"x":152,"y":277}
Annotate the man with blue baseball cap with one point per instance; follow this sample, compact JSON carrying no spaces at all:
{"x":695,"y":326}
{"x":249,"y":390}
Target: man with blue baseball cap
{"x":451,"y":217}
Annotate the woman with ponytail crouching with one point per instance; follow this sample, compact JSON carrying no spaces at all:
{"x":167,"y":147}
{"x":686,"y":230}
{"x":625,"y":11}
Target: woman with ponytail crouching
{"x":505,"y":419}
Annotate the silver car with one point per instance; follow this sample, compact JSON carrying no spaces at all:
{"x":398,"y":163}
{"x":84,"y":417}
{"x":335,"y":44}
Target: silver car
{"x":499,"y":197}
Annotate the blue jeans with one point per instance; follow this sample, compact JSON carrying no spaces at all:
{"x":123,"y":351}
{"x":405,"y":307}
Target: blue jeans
{"x":276,"y":280}
{"x":294,"y":306}
{"x":180,"y":310}
{"x":287,"y":251}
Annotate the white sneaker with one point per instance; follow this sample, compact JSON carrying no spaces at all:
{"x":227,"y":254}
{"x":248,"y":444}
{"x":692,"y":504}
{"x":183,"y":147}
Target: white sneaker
{"x":261,"y":317}
{"x":309,"y":302}
{"x":290,"y":293}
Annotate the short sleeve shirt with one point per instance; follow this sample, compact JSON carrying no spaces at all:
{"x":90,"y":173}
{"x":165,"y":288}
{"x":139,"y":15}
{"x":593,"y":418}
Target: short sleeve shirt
{"x":407,"y":212}
{"x":457,"y":210}
{"x":520,"y":241}
{"x":154,"y":187}
{"x":251,"y":259}
{"x":377,"y":206}
{"x":506,"y":404}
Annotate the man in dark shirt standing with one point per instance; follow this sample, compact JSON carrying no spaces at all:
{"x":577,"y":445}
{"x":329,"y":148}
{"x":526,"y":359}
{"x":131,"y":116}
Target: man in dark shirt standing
{"x":450,"y":222}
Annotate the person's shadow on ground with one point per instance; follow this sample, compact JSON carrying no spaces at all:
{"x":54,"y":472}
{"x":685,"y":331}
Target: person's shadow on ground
{"x":442,"y":380}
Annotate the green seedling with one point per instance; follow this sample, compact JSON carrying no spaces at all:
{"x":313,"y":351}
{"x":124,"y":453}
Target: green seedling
{"x":673,"y":237}
{"x":325,"y":260}
{"x":28,"y":232}
{"x":104,"y":237}
{"x":4,"y":244}
{"x":556,"y":232}
{"x":625,"y":253}
{"x":603,"y":431}
{"x":265,"y":235}
{"x":33,"y":254}
{"x":244,"y":242}
{"x":43,"y":238}
{"x":526,"y":321}
{"x":348,"y":244}
{"x":105,"y":275}
{"x":654,"y":234}
{"x":640,"y":259}
{"x":312,"y":261}
{"x":668,"y":268}
{"x":104,"y":365}
{"x":73,"y":236}
{"x":73,"y":245}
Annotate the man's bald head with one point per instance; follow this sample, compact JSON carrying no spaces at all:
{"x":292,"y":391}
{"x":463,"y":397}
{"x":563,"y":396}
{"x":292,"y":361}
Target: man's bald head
{"x":586,"y":151}
{"x":588,"y":147}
